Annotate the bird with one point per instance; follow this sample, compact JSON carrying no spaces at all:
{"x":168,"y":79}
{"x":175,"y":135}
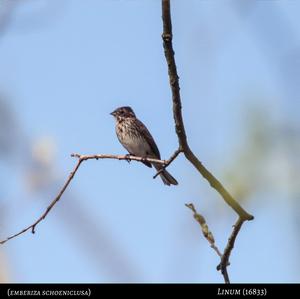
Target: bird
{"x":138,"y":141}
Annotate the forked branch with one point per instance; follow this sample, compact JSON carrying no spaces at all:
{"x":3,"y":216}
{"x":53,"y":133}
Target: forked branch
{"x":167,"y":37}
{"x":81,"y":158}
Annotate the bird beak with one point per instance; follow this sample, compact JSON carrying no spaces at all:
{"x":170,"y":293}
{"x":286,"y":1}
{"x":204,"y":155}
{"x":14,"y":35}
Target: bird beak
{"x":112,"y":113}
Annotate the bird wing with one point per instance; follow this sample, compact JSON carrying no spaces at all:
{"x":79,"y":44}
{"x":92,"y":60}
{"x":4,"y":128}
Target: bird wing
{"x":150,"y":140}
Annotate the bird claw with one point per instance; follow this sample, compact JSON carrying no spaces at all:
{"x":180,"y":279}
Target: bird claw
{"x":127,"y":157}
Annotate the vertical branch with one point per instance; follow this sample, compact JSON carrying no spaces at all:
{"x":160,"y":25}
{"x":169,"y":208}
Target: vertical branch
{"x":225,"y":257}
{"x":167,"y":37}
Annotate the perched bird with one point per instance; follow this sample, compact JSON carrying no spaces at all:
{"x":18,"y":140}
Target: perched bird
{"x":138,"y":141}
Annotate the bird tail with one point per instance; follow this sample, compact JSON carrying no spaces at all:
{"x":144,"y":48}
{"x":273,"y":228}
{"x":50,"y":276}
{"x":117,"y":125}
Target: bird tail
{"x":166,"y":177}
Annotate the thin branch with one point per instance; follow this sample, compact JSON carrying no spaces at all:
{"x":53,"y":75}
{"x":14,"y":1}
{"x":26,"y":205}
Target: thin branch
{"x":81,"y":158}
{"x":167,"y":37}
{"x":205,"y":229}
{"x":224,"y":263}
{"x":49,"y":208}
{"x":118,"y":157}
{"x":225,"y":257}
{"x":168,"y":162}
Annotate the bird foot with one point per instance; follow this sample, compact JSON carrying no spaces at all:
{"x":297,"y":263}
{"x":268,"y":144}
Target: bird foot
{"x":128,"y":158}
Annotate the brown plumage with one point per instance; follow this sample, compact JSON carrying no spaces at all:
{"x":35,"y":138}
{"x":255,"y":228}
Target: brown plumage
{"x":138,"y":141}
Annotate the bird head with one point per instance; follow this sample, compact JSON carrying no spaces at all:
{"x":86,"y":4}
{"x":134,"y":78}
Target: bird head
{"x":123,"y":112}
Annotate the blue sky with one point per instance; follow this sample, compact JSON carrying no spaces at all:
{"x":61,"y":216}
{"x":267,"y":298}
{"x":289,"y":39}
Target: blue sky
{"x":65,"y":65}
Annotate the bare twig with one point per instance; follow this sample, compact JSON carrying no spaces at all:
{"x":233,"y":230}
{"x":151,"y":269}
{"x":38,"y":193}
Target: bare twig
{"x":205,"y":229}
{"x":167,"y":37}
{"x":118,"y":157}
{"x":56,"y":199}
{"x":224,"y":263}
{"x":179,"y":124}
{"x":81,"y":158}
{"x":225,"y":257}
{"x":168,"y":162}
